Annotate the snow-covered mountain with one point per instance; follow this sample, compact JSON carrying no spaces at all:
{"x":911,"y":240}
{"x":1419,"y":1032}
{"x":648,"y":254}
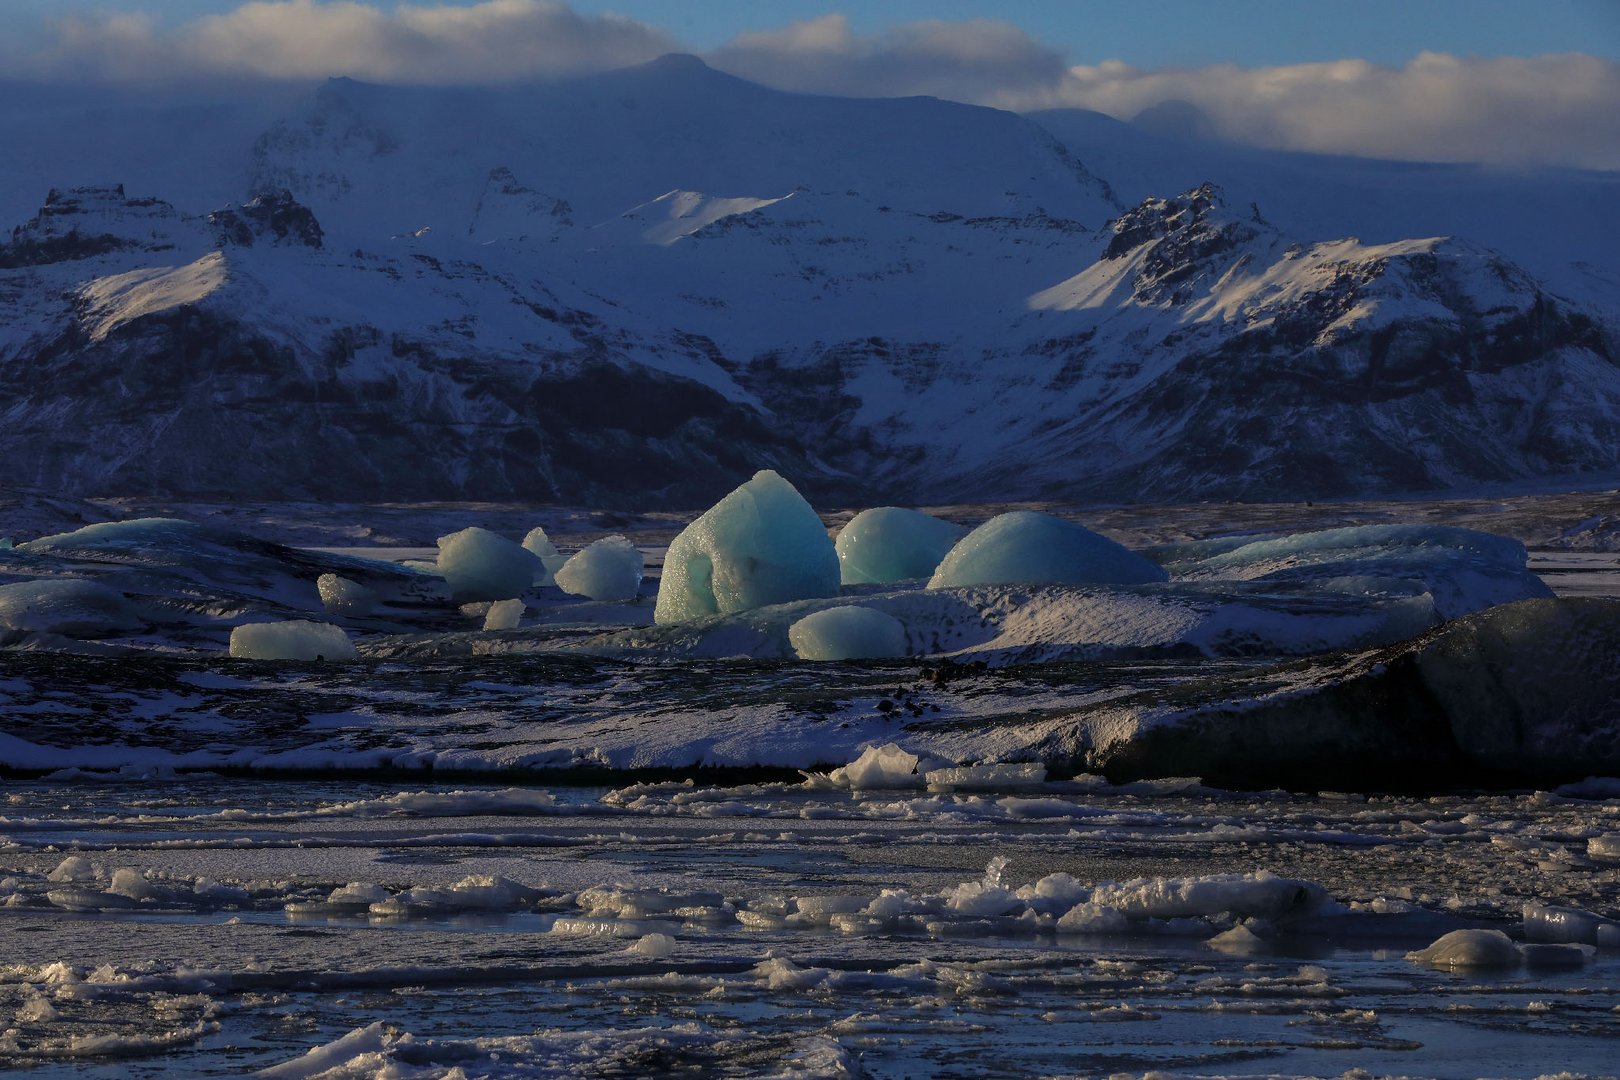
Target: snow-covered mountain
{"x":644,"y":285}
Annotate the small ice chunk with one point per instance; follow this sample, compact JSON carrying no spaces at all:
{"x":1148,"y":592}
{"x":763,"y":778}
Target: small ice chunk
{"x":657,"y":945}
{"x":890,"y":543}
{"x":1012,"y":777}
{"x":886,"y":766}
{"x":480,"y":565}
{"x":504,"y":614}
{"x":1606,"y":846}
{"x":848,"y":633}
{"x":1470,"y":949}
{"x":1260,"y":894}
{"x":73,"y":868}
{"x":609,"y":569}
{"x":762,"y":544}
{"x":1028,"y":546}
{"x":295,"y":639}
{"x":340,"y":596}
{"x":127,"y":881}
{"x":70,"y":606}
{"x":1568,"y":926}
{"x":540,"y":545}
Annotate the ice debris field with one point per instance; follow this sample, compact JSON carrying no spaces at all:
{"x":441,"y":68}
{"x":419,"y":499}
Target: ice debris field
{"x":996,"y":796}
{"x":1369,"y":656}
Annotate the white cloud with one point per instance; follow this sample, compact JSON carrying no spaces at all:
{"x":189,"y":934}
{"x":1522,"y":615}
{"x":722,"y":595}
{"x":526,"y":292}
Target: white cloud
{"x":1547,"y":109}
{"x":490,"y":41}
{"x":1560,"y":109}
{"x":978,"y":60}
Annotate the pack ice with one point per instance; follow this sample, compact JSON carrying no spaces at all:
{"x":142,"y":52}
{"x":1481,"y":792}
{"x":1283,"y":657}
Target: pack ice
{"x":890,"y":543}
{"x":762,"y":544}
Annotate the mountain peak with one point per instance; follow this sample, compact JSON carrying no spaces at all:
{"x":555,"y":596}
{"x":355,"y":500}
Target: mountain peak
{"x":677,"y":62}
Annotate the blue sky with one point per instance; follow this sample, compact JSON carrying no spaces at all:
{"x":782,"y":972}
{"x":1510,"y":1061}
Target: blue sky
{"x":1146,"y":34}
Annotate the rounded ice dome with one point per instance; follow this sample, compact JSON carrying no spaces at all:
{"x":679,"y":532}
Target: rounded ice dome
{"x":848,"y":633}
{"x":481,"y":565}
{"x":1028,"y":546}
{"x":891,"y":543}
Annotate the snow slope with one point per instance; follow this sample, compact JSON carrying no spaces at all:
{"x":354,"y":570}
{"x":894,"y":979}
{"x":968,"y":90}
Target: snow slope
{"x":642,"y":286}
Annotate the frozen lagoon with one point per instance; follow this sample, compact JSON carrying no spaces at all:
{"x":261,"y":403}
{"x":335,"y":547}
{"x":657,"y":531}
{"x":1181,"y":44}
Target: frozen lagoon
{"x":805,"y":931}
{"x":565,"y":972}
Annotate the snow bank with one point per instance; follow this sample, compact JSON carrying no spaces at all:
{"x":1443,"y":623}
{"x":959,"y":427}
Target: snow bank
{"x":480,"y":565}
{"x":1027,"y":546}
{"x":296,"y":639}
{"x":762,"y":544}
{"x":68,"y":606}
{"x":848,"y":633}
{"x":609,"y":569}
{"x":889,"y":543}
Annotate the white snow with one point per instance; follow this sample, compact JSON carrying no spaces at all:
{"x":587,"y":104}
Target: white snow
{"x":1029,"y":546}
{"x":295,"y":639}
{"x":891,"y":543}
{"x":110,"y":302}
{"x":850,"y":632}
{"x":762,"y":544}
{"x":482,"y":565}
{"x":608,"y":569}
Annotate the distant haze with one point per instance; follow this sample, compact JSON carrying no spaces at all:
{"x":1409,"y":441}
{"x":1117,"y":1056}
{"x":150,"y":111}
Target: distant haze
{"x":1560,"y":108}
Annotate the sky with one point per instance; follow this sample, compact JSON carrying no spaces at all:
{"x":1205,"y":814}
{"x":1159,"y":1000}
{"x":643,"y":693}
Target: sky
{"x":1498,"y":81}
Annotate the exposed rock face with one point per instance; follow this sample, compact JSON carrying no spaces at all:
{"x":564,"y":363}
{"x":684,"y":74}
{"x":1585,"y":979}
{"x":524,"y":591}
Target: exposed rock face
{"x":275,"y":216}
{"x":1521,"y":692}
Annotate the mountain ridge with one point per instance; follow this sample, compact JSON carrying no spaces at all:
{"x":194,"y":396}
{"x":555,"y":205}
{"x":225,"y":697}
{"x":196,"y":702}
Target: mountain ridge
{"x":899,"y":299}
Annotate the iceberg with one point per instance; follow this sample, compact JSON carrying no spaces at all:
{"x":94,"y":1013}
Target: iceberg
{"x":69,"y":606}
{"x":890,"y":543}
{"x":762,"y":544}
{"x":295,"y":639}
{"x":1028,"y":546}
{"x":609,"y":569}
{"x":481,"y":565}
{"x":504,"y":614}
{"x":340,"y":596}
{"x":539,"y":544}
{"x":848,"y":633}
{"x":1463,"y":570}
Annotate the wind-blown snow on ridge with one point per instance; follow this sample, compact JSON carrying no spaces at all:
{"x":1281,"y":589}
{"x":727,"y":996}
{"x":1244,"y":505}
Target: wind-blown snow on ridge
{"x":645,"y":285}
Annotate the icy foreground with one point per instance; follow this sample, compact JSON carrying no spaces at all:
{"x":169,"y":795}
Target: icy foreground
{"x":1031,"y":927}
